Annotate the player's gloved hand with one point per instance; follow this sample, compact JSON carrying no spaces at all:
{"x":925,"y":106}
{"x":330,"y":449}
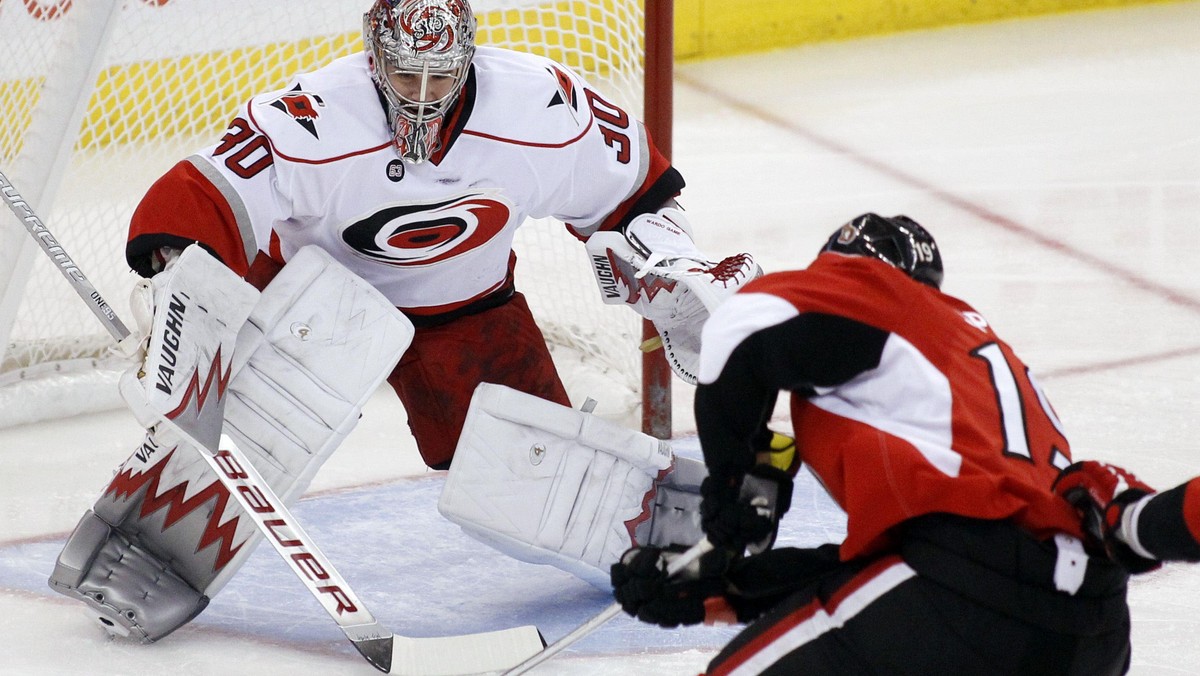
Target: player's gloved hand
{"x":694,"y":595}
{"x":1100,"y":493}
{"x":740,"y":513}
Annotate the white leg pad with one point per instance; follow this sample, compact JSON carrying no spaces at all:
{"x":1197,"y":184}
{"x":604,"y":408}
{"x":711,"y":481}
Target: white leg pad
{"x":547,"y":484}
{"x":316,"y":346}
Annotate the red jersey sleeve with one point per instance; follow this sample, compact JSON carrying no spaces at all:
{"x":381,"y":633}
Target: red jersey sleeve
{"x":181,"y":207}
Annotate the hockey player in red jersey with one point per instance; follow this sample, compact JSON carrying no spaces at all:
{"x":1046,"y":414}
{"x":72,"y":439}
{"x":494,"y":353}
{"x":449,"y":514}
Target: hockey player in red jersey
{"x":373,"y":203}
{"x":961,"y":554}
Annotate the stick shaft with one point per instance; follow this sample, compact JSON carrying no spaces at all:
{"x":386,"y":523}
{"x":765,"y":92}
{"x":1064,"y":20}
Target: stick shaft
{"x":38,"y":230}
{"x":696,"y":551}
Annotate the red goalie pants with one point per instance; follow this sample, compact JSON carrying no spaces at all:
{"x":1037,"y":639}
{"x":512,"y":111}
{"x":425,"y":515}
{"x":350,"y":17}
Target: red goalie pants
{"x":960,"y":597}
{"x":438,"y":374}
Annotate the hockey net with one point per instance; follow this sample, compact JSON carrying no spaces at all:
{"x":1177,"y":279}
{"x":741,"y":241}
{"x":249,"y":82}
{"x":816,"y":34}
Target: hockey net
{"x":88,"y":127}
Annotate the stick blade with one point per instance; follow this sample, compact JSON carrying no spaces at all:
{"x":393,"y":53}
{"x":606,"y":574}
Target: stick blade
{"x":465,"y":654}
{"x":377,"y":651}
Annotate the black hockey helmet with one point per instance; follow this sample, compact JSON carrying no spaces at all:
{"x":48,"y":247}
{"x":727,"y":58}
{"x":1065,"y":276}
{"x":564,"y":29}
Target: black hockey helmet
{"x":897,"y":240}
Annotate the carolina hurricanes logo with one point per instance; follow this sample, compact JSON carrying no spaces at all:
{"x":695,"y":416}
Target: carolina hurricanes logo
{"x":421,"y":233}
{"x":432,"y":27}
{"x":566,"y":90}
{"x":302,"y":107}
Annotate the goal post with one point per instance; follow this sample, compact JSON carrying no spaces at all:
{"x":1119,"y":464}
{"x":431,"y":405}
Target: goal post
{"x":658,"y":110}
{"x":101,"y":97}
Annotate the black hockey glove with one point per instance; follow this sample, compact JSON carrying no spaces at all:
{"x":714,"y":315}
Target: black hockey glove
{"x":1100,"y":493}
{"x":740,"y":513}
{"x":641,"y":586}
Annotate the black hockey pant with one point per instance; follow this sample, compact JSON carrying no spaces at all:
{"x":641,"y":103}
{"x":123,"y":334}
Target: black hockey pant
{"x":961,"y":596}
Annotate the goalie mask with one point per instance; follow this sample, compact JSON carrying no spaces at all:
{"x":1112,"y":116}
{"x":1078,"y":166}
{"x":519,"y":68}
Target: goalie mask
{"x":420,"y":53}
{"x":898,"y":241}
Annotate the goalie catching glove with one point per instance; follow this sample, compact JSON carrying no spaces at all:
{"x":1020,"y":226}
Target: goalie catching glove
{"x":655,"y":267}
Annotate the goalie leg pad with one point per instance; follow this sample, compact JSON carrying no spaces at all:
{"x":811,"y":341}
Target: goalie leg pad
{"x":315,"y":348}
{"x":127,"y":589}
{"x":320,"y":342}
{"x":192,"y":312}
{"x":198,"y":305}
{"x":547,"y":484}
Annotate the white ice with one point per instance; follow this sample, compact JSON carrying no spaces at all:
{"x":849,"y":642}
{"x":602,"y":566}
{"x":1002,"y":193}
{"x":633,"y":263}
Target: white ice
{"x":1057,"y":162}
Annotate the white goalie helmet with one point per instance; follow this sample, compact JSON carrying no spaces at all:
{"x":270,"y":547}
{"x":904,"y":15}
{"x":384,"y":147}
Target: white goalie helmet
{"x":420,"y":53}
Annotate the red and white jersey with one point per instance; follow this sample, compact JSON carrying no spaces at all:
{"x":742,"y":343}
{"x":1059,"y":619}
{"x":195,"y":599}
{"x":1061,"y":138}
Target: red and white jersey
{"x":314,"y":164}
{"x":904,"y":401}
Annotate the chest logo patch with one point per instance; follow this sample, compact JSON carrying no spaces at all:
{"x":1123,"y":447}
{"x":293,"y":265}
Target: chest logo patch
{"x":423,"y":233}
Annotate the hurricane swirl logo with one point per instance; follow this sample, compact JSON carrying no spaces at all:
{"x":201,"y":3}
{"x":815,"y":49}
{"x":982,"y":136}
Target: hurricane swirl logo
{"x":419,"y":234}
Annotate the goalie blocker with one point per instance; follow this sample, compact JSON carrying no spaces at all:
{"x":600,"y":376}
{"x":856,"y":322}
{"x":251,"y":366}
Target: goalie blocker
{"x":547,"y":484}
{"x":165,"y":536}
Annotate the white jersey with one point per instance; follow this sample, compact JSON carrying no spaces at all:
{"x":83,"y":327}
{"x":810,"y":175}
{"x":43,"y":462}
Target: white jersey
{"x":314,"y":164}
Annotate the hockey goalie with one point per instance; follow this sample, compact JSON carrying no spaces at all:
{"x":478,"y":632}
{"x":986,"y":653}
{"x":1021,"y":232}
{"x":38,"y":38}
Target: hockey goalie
{"x":371,"y":205}
{"x":298,"y":361}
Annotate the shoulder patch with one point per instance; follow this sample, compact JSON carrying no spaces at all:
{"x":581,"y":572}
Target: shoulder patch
{"x":303,"y":107}
{"x":566,"y":94}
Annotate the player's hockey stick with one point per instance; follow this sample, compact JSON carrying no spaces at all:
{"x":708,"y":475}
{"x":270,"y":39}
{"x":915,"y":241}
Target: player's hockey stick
{"x":677,"y":564}
{"x":463,"y":654}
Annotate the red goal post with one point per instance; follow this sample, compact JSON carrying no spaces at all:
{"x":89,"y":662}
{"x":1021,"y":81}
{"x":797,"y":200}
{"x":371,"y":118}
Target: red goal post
{"x":99,"y":97}
{"x":658,"y":115}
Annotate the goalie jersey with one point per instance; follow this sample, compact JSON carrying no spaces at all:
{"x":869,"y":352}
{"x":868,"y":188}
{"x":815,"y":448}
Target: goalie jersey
{"x":904,"y":400}
{"x":314,"y":164}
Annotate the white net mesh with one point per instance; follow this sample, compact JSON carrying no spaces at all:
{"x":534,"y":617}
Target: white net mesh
{"x":170,"y":78}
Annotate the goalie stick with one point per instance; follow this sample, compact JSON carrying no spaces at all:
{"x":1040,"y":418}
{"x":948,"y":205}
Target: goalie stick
{"x":438,"y":656}
{"x":37,"y":229}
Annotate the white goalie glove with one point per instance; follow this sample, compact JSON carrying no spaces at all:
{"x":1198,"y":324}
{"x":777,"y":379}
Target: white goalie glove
{"x":655,"y":267}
